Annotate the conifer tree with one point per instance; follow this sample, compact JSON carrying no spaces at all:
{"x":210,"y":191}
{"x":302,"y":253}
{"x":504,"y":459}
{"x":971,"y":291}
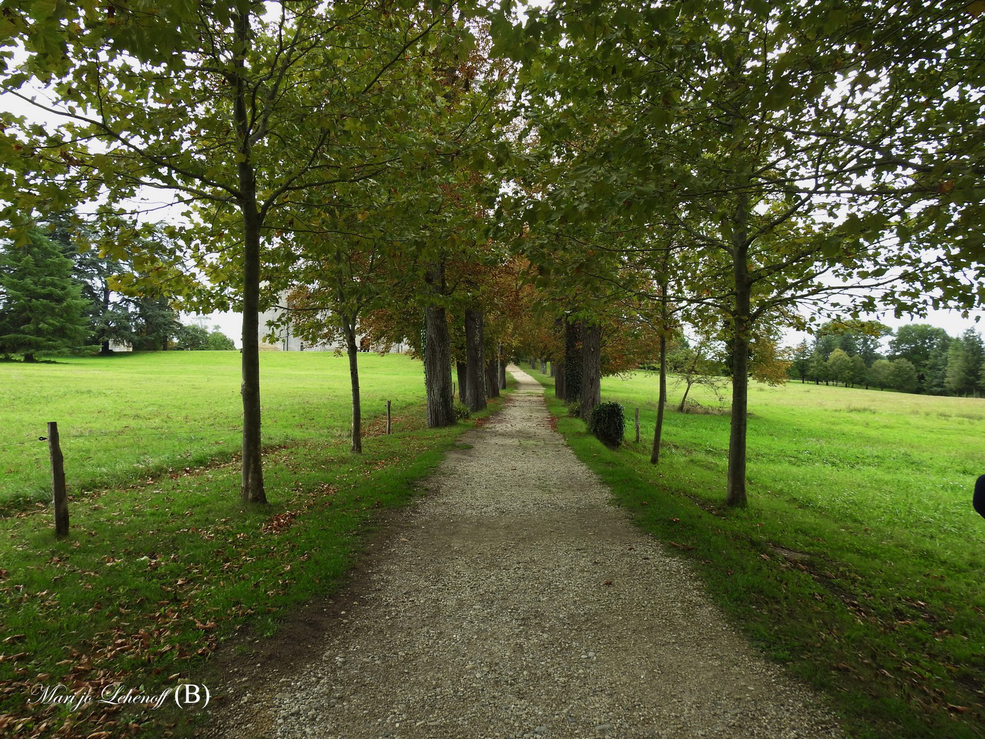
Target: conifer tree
{"x":41,"y":306}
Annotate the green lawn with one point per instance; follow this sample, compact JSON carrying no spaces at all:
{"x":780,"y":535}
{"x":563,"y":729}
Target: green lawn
{"x":859,"y":562}
{"x":163,"y":563}
{"x":139,"y":414}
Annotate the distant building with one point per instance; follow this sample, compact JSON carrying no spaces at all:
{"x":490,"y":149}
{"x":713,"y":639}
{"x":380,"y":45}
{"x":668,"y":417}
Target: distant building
{"x":283,"y":339}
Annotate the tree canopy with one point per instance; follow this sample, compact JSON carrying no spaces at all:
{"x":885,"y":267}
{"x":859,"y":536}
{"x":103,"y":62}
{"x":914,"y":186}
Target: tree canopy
{"x":580,"y":180}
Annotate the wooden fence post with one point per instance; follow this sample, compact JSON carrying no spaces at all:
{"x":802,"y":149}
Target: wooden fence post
{"x":59,"y":497}
{"x":637,"y":425}
{"x":388,"y":427}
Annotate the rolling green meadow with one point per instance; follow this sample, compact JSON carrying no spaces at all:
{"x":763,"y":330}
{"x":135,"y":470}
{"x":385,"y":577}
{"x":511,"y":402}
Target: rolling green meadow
{"x":163,"y":563}
{"x":859,"y":563}
{"x":129,"y":415}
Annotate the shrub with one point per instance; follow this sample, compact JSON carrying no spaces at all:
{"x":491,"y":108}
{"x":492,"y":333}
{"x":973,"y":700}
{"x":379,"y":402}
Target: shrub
{"x":462,"y":411}
{"x":574,"y":408}
{"x":608,"y":424}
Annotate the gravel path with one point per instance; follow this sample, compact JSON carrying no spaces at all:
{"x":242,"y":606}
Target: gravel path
{"x":517,"y":602}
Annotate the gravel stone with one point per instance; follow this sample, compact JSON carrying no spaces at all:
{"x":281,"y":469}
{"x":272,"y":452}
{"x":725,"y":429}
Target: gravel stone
{"x":518,"y":602}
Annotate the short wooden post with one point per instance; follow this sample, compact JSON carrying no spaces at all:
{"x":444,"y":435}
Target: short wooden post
{"x":388,"y":426}
{"x":637,"y":425}
{"x":58,"y":481}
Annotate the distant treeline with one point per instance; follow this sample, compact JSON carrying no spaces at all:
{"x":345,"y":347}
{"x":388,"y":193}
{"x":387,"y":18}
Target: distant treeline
{"x":56,"y":295}
{"x":921,"y":358}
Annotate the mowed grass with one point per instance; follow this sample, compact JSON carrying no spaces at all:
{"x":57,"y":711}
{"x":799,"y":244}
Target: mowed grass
{"x":163,"y":568}
{"x":140,"y":414}
{"x":860,"y":561}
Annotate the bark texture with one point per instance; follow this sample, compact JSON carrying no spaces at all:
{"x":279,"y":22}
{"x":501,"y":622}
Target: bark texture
{"x":736,"y":494}
{"x":492,"y":378}
{"x":591,"y":370}
{"x":502,"y":367}
{"x":662,"y":392}
{"x":475,"y":380}
{"x":437,"y":354}
{"x":461,"y":374}
{"x":352,"y":349}
{"x":572,"y":362}
{"x":252,"y":486}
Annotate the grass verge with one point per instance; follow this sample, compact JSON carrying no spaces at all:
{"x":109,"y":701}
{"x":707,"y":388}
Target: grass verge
{"x":858,"y":564}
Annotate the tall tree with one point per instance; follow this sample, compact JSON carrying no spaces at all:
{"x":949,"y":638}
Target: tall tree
{"x":156,"y":323}
{"x":720,"y":119}
{"x":109,"y":313}
{"x":916,"y":342}
{"x":238,"y":106}
{"x":964,"y":364}
{"x":41,"y":306}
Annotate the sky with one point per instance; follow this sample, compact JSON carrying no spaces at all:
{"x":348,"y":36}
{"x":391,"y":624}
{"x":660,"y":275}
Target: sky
{"x":231,"y":323}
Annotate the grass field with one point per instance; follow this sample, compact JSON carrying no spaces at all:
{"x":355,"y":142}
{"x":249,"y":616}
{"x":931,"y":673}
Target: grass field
{"x":859,"y":562}
{"x":163,"y":564}
{"x":140,"y":414}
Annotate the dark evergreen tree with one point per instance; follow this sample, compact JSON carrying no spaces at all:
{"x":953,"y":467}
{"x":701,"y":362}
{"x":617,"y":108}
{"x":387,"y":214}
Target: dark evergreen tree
{"x":935,"y":373}
{"x":111,"y":319}
{"x":41,"y":306}
{"x":800,"y":366}
{"x":157,"y":324}
{"x":964,"y":364}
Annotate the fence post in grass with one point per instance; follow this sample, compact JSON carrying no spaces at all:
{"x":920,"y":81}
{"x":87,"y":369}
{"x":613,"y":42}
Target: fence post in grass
{"x":637,"y":425}
{"x":388,"y":427}
{"x":59,"y":497}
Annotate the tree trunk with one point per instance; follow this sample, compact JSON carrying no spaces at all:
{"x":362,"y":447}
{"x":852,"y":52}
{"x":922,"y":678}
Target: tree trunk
{"x":662,"y":392}
{"x":687,"y":389}
{"x":736,"y":495}
{"x":543,"y":366}
{"x":572,"y":362}
{"x":502,"y":367}
{"x":352,"y":349}
{"x":252,"y":488}
{"x":475,"y":381}
{"x":492,"y":378}
{"x":29,"y":358}
{"x":461,"y":374}
{"x":559,"y":381}
{"x":105,"y":349}
{"x":437,"y":355}
{"x":591,"y":370}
